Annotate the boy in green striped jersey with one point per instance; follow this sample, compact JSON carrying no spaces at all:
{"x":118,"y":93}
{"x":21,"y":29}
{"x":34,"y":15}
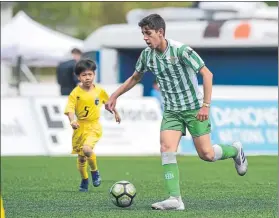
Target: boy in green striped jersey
{"x":175,"y":66}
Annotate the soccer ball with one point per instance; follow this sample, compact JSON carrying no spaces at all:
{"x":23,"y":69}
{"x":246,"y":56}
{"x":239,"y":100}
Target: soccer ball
{"x":122,"y":193}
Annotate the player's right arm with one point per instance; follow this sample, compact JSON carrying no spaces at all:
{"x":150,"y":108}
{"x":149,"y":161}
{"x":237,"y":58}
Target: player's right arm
{"x":70,"y":110}
{"x":125,"y":87}
{"x":129,"y":83}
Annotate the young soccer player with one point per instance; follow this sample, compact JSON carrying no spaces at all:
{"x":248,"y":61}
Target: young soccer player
{"x":175,"y":66}
{"x":85,"y":102}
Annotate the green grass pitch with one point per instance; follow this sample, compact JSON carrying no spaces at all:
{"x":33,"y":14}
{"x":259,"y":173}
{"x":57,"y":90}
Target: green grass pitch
{"x":47,"y":187}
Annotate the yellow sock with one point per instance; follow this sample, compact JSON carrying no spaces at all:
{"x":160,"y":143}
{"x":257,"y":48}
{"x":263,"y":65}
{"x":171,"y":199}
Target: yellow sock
{"x":92,"y":161}
{"x":82,"y":167}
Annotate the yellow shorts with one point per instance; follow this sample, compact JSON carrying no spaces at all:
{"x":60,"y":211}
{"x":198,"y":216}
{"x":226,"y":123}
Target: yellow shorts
{"x":88,"y":133}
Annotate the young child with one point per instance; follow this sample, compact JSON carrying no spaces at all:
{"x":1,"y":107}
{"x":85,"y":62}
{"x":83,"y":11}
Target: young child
{"x":85,"y":102}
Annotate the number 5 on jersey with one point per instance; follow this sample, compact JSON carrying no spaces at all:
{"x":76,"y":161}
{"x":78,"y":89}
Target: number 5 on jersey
{"x":86,"y":108}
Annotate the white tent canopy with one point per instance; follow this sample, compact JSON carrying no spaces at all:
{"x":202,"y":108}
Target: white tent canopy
{"x":37,"y":44}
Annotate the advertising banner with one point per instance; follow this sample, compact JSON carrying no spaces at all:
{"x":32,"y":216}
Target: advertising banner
{"x":254,"y":123}
{"x":20,"y":132}
{"x":138,"y":133}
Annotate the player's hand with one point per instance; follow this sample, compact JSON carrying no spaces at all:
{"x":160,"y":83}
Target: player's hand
{"x":74,"y":124}
{"x":117,"y":118}
{"x":203,"y":114}
{"x":110,"y":105}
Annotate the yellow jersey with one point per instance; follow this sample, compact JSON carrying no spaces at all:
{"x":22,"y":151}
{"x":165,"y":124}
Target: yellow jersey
{"x":87,"y":104}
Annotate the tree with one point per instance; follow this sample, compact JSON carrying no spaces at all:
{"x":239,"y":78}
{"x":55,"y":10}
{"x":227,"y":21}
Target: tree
{"x":82,"y":18}
{"x":79,"y":19}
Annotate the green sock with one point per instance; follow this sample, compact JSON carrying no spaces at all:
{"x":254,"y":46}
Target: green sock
{"x":223,"y":152}
{"x":171,"y":173}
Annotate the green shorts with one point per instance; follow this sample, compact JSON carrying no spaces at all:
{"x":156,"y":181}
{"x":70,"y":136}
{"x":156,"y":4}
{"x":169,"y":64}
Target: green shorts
{"x":180,"y":120}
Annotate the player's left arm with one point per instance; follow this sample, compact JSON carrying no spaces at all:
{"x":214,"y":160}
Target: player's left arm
{"x":207,"y":89}
{"x":193,"y":60}
{"x":207,"y":77}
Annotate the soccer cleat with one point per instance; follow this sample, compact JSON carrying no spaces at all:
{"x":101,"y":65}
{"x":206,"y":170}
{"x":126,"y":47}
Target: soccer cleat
{"x":172,"y":203}
{"x":83,"y":185}
{"x":96,"y":179}
{"x":241,"y":163}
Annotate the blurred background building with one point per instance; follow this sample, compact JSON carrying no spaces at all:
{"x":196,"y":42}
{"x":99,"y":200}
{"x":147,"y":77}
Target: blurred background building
{"x":237,"y":40}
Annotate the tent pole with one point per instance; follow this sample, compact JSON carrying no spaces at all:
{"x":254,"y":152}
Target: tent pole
{"x":18,"y":74}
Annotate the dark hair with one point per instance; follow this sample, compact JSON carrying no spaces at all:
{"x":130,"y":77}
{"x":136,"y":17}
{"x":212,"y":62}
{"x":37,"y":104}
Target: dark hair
{"x":84,"y":65}
{"x":154,"y":22}
{"x":76,"y":51}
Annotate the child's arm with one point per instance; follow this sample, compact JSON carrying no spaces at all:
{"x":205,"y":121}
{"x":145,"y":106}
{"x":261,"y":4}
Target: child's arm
{"x":73,"y":122}
{"x":117,"y":116}
{"x":70,"y":110}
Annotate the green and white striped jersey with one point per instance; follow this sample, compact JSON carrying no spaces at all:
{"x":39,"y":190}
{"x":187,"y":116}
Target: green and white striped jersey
{"x":175,"y":71}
